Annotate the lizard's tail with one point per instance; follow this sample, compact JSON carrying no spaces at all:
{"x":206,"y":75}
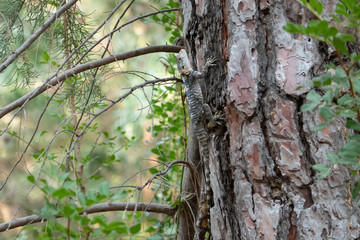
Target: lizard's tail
{"x":202,"y":138}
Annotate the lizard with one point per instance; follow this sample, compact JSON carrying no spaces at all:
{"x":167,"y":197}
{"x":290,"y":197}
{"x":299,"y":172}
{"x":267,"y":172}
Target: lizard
{"x":199,"y":112}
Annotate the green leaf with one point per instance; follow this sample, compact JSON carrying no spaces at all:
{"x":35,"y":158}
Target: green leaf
{"x":347,"y":161}
{"x":155,"y":237}
{"x":350,"y":123}
{"x":328,"y":96}
{"x":314,"y":28}
{"x":316,"y":5}
{"x":164,"y":19}
{"x":62,"y":192}
{"x":346,"y":37}
{"x":356,"y":85}
{"x":340,"y":75}
{"x":48,"y":189}
{"x":68,"y":210}
{"x":355,"y":190}
{"x":347,"y":114}
{"x":332,"y":31}
{"x":345,"y":100}
{"x":135,"y":229}
{"x":155,"y":151}
{"x":150,"y":229}
{"x":158,"y":128}
{"x":174,"y":129}
{"x":104,"y":188}
{"x":350,"y":150}
{"x":326,"y":113}
{"x":45,"y":213}
{"x":54,"y":3}
{"x":81,"y":198}
{"x":41,"y":133}
{"x":323,"y":170}
{"x":354,"y":137}
{"x":101,"y":220}
{"x":313,"y":97}
{"x":322,"y":28}
{"x":91,"y":194}
{"x":121,"y":230}
{"x":62,"y":177}
{"x":294,"y":28}
{"x":308,"y":107}
{"x":336,"y":18}
{"x":153,"y":170}
{"x":341,"y":10}
{"x":119,"y":227}
{"x":319,"y":127}
{"x":175,"y":203}
{"x":350,"y":4}
{"x":340,"y":45}
{"x":46,"y":56}
{"x":49,"y":211}
{"x":31,"y":179}
{"x":323,"y":80}
{"x":85,"y":221}
{"x":333,"y":158}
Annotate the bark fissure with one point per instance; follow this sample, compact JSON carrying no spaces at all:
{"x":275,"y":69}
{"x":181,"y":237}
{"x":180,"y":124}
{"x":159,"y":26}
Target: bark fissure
{"x":292,"y":229}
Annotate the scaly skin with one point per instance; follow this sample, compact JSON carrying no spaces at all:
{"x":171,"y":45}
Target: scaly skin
{"x":198,"y":112}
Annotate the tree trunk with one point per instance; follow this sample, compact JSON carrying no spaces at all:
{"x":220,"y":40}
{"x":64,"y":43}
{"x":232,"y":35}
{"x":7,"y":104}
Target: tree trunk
{"x":262,"y":185}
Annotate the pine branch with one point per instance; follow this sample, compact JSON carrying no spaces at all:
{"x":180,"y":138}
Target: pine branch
{"x":54,"y":80}
{"x":35,"y":36}
{"x":97,"y":208}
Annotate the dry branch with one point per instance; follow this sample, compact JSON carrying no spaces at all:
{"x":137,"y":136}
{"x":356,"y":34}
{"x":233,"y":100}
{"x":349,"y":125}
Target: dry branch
{"x":53,"y":81}
{"x":97,"y":208}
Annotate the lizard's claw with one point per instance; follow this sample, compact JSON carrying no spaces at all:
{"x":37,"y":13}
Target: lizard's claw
{"x":218,"y":120}
{"x":211,"y":61}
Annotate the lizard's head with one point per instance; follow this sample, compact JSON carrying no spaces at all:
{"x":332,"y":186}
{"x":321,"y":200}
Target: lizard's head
{"x":183,"y":63}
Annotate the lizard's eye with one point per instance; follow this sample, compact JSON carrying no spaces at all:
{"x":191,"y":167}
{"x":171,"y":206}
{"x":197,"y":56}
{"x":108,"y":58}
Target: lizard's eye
{"x":179,"y":58}
{"x":183,"y":67}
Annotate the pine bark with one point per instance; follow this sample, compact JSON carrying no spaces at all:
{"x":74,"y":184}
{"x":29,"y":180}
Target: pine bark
{"x":263,"y":187}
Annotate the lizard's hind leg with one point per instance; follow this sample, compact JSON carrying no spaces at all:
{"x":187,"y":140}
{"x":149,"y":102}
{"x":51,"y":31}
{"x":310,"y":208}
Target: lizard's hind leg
{"x":213,"y":120}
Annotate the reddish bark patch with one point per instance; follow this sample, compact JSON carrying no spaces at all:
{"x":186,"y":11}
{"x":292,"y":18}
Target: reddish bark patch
{"x":256,"y":170}
{"x":242,"y":91}
{"x":292,"y":71}
{"x":234,"y":126}
{"x":285,"y":140}
{"x":324,"y":131}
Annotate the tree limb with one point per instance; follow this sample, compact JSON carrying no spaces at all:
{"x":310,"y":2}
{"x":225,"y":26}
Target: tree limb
{"x":54,"y":80}
{"x":35,"y":36}
{"x":101,"y":207}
